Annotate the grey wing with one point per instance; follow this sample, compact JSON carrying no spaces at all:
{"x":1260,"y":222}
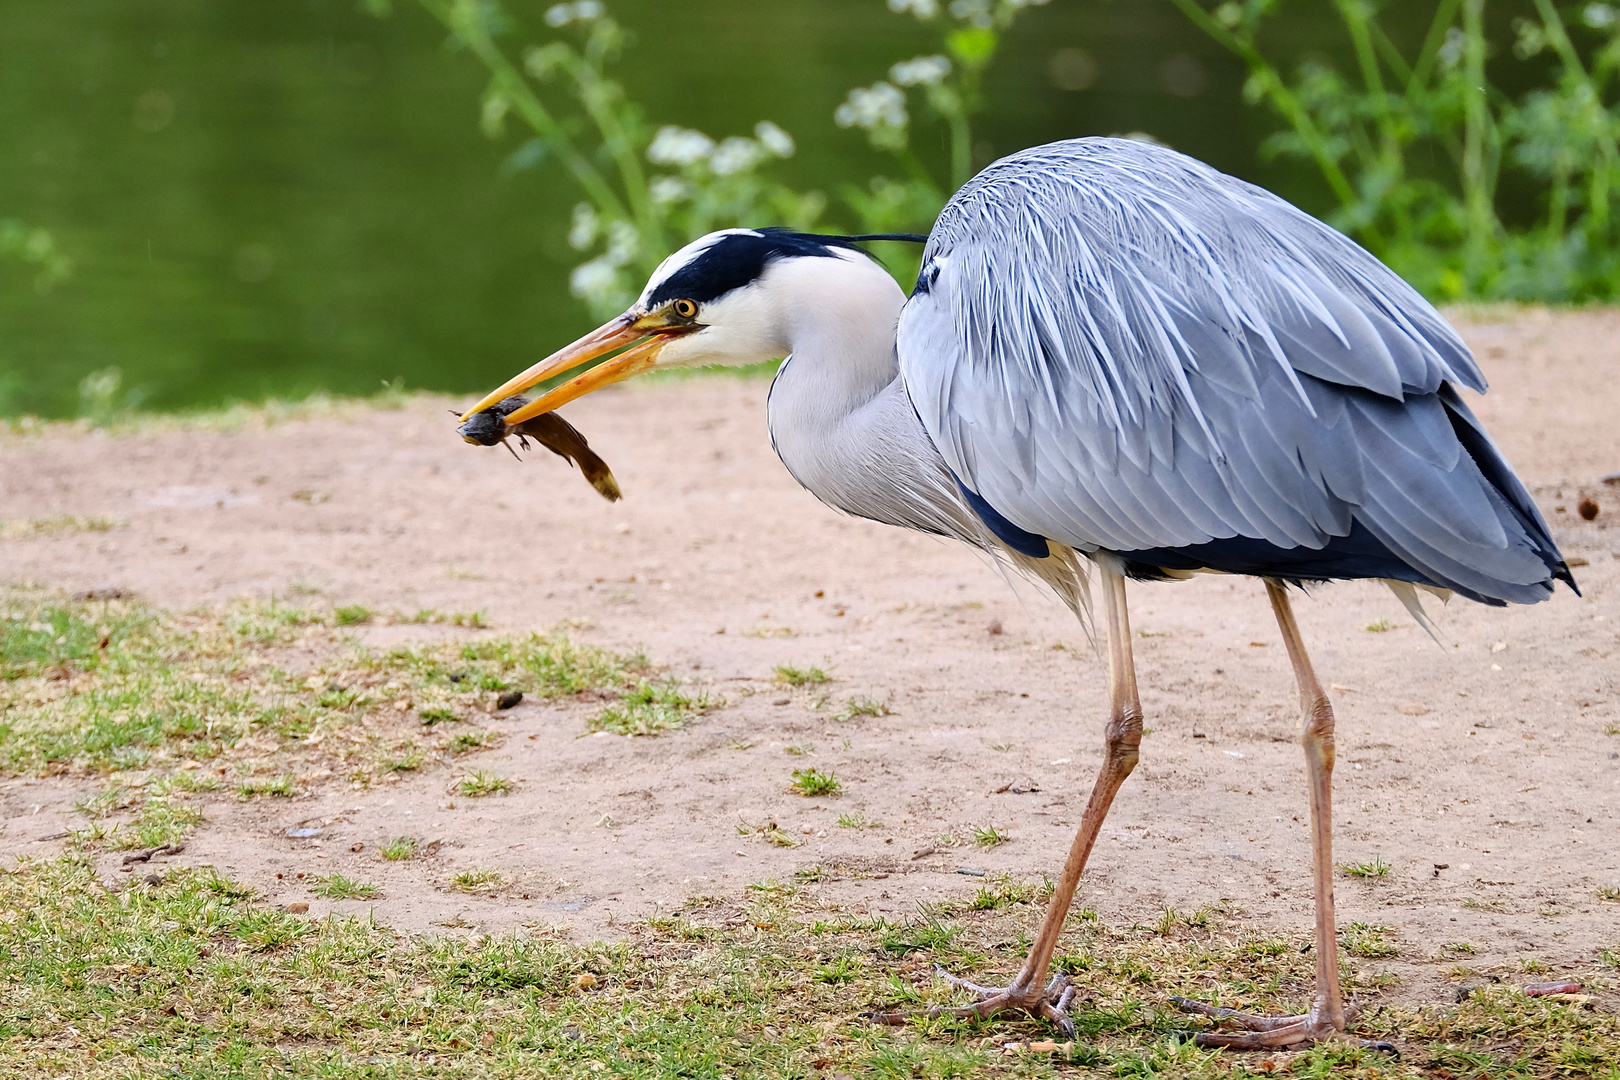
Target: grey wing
{"x":1119,"y":348}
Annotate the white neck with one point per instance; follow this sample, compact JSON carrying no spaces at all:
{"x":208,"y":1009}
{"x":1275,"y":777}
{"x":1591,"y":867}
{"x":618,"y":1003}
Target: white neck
{"x":838,"y":318}
{"x":838,"y":412}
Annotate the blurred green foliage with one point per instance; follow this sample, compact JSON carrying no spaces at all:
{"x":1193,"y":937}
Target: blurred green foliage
{"x":36,"y":248}
{"x":646,"y":192}
{"x":1413,"y":146}
{"x":1416,"y":147}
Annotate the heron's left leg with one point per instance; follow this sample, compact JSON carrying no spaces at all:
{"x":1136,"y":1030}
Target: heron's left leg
{"x":1030,"y":992}
{"x":1328,"y":1014}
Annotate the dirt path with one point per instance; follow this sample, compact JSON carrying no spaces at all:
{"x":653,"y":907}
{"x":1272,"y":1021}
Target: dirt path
{"x":1487,"y":759}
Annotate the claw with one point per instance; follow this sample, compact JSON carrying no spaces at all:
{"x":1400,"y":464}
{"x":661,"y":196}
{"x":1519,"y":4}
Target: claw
{"x":1050,"y":1004}
{"x":1271,"y":1032}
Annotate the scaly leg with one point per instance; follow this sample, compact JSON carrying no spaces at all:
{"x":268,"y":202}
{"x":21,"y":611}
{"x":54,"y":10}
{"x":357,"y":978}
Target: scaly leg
{"x":1027,"y":993}
{"x":1328,"y":1016}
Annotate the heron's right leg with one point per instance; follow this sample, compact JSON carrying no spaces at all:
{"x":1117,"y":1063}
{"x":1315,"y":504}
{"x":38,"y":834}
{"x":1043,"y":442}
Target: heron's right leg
{"x":1029,"y":992}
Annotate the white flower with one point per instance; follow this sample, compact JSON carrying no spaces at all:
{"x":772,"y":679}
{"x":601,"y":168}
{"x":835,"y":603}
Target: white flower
{"x":667,"y":189}
{"x":974,"y":11}
{"x":593,"y":280}
{"x":582,"y":11}
{"x":879,"y":105}
{"x":923,"y":9}
{"x":921,"y":71}
{"x":623,"y":241}
{"x":582,"y":231}
{"x":1597,"y":16}
{"x":736,"y":155}
{"x":679,"y":146}
{"x":774,"y":138}
{"x":1452,"y":49}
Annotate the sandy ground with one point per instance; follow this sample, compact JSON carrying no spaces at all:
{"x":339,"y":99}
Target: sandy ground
{"x":1479,"y":770}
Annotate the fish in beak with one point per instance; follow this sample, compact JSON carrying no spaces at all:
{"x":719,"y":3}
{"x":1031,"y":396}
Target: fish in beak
{"x":550,"y":430}
{"x":645,"y":335}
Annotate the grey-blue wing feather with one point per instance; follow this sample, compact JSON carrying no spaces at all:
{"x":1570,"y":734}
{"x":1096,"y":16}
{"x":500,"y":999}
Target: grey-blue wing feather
{"x":1120,"y":348}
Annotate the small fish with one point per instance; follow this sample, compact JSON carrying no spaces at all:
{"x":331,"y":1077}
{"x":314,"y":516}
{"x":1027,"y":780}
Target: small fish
{"x":550,"y":431}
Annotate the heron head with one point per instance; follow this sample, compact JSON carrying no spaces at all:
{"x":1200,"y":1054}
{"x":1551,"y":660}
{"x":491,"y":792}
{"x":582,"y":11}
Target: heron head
{"x":716,"y":301}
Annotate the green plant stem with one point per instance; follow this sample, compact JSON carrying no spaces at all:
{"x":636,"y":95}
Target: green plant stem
{"x":594,"y":96}
{"x":1285,"y":101}
{"x":1389,"y":167}
{"x":1559,"y":38}
{"x":1479,"y":215}
{"x":961,"y":151}
{"x":1424,"y":68}
{"x":528,"y":104}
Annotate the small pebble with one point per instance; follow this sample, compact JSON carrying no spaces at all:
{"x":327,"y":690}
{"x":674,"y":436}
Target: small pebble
{"x":509,"y":699}
{"x":1588,"y":509}
{"x":298,"y":908}
{"x":154,"y":879}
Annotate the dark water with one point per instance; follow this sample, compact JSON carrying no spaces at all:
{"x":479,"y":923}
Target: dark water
{"x":268,"y":197}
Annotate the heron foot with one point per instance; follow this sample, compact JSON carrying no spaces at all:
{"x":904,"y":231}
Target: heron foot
{"x":1050,"y":1004}
{"x":1273,"y":1032}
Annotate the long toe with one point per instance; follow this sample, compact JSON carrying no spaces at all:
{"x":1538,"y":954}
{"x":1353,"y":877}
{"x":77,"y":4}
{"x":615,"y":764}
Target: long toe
{"x":1050,"y":1003}
{"x":1270,"y":1032}
{"x":1234,"y":1018}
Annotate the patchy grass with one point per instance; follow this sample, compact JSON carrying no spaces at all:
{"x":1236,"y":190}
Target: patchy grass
{"x":478,"y":739}
{"x":1002,"y":891}
{"x":478,"y":784}
{"x":861,"y":706}
{"x":399,"y":849}
{"x":477,"y":879}
{"x":650,"y":708}
{"x":194,"y":978}
{"x":275,"y":787}
{"x":988,"y":836}
{"x":165,"y":705}
{"x":475,"y":620}
{"x":857,"y":820}
{"x":815,"y":782}
{"x":338,"y":887}
{"x":770,"y":832}
{"x":28,"y":528}
{"x":793,"y":676}
{"x":1368,"y":941}
{"x":1375,"y":870}
{"x":96,"y":687}
{"x":408,"y":759}
{"x":1379,"y":626}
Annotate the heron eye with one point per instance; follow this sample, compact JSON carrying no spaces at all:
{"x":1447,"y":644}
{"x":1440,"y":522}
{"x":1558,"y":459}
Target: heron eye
{"x":684,"y":308}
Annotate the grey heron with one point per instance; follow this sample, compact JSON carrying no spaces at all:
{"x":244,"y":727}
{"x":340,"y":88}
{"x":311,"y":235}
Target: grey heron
{"x":1116,"y":354}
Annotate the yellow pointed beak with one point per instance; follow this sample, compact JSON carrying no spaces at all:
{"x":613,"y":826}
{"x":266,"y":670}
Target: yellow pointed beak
{"x":646,"y":336}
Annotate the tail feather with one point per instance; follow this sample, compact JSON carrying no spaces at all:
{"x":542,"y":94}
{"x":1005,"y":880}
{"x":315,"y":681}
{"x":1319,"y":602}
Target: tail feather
{"x":1500,"y":475}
